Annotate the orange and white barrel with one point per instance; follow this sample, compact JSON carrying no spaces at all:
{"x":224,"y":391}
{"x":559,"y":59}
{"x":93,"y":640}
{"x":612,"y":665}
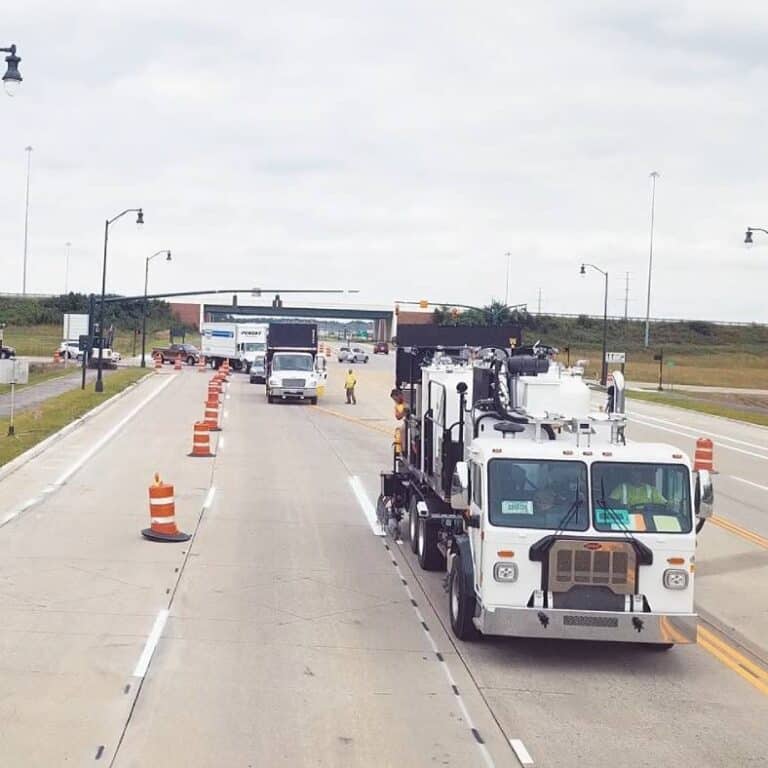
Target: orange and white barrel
{"x":158,"y":363}
{"x":213,"y":397}
{"x":201,"y":364}
{"x":212,"y":416}
{"x":215,"y":384}
{"x":57,"y":356}
{"x":162,"y":514}
{"x":201,"y":440}
{"x":704,"y":457}
{"x":177,"y":363}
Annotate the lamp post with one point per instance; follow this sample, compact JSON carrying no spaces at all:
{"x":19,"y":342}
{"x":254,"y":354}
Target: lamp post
{"x":604,"y":367}
{"x":144,"y":312}
{"x":12,"y":77}
{"x":506,"y":288}
{"x":748,"y":234}
{"x":66,"y":267}
{"x":654,"y":175}
{"x":139,"y":220}
{"x":28,"y":150}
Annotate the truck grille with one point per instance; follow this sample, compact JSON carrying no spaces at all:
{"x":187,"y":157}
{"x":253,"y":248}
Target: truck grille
{"x":607,"y":564}
{"x":294,"y":383}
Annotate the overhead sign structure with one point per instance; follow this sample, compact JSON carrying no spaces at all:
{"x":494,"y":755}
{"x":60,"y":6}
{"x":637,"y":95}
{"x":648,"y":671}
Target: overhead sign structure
{"x":616,"y":357}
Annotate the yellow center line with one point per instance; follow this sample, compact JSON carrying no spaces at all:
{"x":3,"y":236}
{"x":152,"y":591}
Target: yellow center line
{"x":353,"y":420}
{"x":736,"y":661}
{"x":731,"y":527}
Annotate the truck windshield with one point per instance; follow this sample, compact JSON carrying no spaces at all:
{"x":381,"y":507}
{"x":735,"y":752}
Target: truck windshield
{"x":641,"y":498}
{"x":538,"y":494}
{"x":292,"y":363}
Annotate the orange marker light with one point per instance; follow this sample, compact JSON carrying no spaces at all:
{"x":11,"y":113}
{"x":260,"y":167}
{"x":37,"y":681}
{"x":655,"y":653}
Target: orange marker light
{"x":676,"y":560}
{"x":505,"y":553}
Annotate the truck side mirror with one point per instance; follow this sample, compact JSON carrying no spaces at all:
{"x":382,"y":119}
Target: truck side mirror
{"x":460,"y":486}
{"x":704,"y":500}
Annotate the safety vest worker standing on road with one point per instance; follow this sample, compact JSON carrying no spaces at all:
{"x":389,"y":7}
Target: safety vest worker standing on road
{"x":349,"y":385}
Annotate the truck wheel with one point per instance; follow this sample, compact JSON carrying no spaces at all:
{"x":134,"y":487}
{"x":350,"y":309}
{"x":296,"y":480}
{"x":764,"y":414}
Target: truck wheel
{"x":461,"y":605}
{"x":430,"y":557}
{"x":313,"y":401}
{"x":413,"y":524}
{"x":270,"y":399}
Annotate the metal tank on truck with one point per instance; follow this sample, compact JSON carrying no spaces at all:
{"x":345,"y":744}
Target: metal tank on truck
{"x":549,"y":521}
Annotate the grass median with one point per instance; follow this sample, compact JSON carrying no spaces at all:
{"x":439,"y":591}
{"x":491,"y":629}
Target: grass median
{"x":692,"y":403}
{"x":35,"y":424}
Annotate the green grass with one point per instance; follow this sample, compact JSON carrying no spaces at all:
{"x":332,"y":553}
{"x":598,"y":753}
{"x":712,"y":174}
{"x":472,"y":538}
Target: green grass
{"x":690,"y":404}
{"x":40,"y":372}
{"x":39,"y":422}
{"x":44,"y":340}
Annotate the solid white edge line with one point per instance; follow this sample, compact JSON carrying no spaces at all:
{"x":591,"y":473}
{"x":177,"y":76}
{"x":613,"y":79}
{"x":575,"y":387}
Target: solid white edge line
{"x":112,"y":432}
{"x":705,"y":432}
{"x":220,"y":444}
{"x":149,"y":647}
{"x":749,"y":482}
{"x":209,"y":497}
{"x":365,"y":505}
{"x":523,"y":755}
{"x":762,"y":456}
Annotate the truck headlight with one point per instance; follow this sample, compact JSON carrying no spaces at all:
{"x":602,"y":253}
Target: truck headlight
{"x":273,"y":382}
{"x":675,"y":578}
{"x":505,"y":572}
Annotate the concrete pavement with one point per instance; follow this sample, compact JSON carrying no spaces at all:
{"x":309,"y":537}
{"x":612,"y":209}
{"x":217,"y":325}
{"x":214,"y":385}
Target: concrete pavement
{"x":287,"y":635}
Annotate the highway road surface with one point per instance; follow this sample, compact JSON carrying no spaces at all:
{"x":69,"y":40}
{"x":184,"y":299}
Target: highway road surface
{"x":286,"y":632}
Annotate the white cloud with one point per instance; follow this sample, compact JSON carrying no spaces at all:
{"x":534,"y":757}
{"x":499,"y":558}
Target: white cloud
{"x":399,"y":148}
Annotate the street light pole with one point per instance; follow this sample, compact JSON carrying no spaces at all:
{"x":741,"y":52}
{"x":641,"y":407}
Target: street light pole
{"x":139,"y":220}
{"x":750,"y":230}
{"x":654,"y":175}
{"x":66,"y":267}
{"x":506,"y":289}
{"x":144,"y":310}
{"x":604,"y":366}
{"x":28,"y":150}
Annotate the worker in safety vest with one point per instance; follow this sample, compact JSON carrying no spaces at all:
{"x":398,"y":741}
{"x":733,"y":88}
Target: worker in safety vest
{"x":350,"y":381}
{"x":636,"y":492}
{"x":401,"y":409}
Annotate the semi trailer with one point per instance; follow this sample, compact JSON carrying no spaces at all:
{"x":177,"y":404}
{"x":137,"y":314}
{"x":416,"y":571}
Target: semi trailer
{"x":549,"y":520}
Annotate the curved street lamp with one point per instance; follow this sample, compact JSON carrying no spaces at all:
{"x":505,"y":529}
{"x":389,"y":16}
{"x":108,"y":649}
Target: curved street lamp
{"x":12,"y":77}
{"x":144,"y":311}
{"x":604,"y":366}
{"x":748,"y":234}
{"x":139,"y":220}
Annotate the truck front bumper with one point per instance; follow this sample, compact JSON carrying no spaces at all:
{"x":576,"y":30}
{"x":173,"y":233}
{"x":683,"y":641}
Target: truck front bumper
{"x":290,"y":392}
{"x":589,"y":625}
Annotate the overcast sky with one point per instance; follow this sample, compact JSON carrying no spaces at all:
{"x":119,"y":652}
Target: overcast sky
{"x":401,"y":148}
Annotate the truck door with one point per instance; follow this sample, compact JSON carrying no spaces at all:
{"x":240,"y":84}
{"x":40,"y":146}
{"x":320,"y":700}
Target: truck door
{"x":476,"y":508}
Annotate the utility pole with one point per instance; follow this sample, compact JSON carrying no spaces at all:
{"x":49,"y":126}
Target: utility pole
{"x":626,"y":299}
{"x":506,"y":289}
{"x":539,"y":304}
{"x":654,"y":175}
{"x":28,"y":150}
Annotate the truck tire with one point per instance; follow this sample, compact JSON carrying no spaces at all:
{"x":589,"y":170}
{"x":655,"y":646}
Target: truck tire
{"x":313,"y":401}
{"x":413,"y":524}
{"x":461,"y":606}
{"x":430,"y":557}
{"x":270,"y":399}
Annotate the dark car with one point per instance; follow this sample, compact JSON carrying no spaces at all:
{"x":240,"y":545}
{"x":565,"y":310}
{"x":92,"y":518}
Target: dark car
{"x":381,"y":347}
{"x":189,"y":353}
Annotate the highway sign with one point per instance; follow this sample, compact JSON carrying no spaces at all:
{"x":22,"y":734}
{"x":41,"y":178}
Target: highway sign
{"x":14,"y":371}
{"x":616,"y":357}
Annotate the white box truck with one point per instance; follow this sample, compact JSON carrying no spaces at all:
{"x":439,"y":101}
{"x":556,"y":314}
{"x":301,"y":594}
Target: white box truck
{"x":243,"y":344}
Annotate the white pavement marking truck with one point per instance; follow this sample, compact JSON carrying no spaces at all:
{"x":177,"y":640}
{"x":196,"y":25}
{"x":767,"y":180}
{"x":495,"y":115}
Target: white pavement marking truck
{"x":549,"y":521}
{"x":294,"y":371}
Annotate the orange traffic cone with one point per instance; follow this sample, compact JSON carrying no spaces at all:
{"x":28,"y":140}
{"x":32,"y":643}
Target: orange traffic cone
{"x":704,"y":457}
{"x":162,"y":514}
{"x":212,"y":416}
{"x":201,"y":441}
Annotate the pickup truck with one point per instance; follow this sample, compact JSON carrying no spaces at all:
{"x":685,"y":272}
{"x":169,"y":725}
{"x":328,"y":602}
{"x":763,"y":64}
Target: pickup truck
{"x":6,"y":352}
{"x":189,"y":353}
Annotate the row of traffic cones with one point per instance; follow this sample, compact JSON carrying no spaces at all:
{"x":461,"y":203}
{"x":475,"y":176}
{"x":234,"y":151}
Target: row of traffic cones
{"x":162,"y":505}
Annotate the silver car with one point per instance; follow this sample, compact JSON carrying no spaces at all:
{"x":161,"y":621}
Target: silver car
{"x":356,"y":355}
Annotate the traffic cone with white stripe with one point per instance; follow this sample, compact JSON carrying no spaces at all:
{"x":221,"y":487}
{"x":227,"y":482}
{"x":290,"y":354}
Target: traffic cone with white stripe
{"x":162,"y":514}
